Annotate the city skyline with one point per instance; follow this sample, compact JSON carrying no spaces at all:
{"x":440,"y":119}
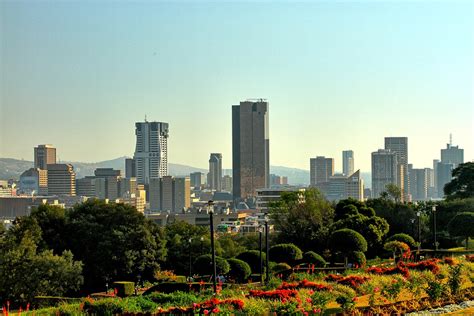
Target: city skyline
{"x":333,"y":82}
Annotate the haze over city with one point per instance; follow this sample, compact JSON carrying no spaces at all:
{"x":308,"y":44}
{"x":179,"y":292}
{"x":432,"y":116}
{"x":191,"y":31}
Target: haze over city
{"x":79,"y":75}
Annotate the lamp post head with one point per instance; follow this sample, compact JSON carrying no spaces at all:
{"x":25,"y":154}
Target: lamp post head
{"x":433,"y":208}
{"x":418,"y":213}
{"x":210,"y":207}
{"x":202,"y":239}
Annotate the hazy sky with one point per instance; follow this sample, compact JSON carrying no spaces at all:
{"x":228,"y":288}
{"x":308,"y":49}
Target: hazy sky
{"x":338,"y":75}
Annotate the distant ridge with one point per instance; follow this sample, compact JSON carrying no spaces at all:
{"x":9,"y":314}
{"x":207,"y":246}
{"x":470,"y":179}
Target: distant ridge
{"x":12,"y":169}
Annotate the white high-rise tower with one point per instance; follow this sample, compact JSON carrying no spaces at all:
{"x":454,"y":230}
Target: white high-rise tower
{"x":151,"y":151}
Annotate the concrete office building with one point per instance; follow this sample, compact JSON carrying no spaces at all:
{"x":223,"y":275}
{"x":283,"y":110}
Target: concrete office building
{"x":170,"y":194}
{"x":384,"y":171}
{"x":227,"y":183}
{"x":452,"y":154}
{"x":151,"y":151}
{"x":44,"y":156}
{"x":215,"y":172}
{"x":250,"y":148}
{"x":347,"y":162}
{"x":399,"y":146}
{"x":112,"y":181}
{"x":34,"y":181}
{"x":444,"y":175}
{"x":419,"y":184}
{"x":321,"y":169}
{"x":340,"y":186}
{"x":91,"y":186}
{"x":197,"y":180}
{"x":130,"y":168}
{"x":61,"y":179}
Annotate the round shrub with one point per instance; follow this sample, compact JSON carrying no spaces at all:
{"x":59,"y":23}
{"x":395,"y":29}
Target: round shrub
{"x":357,"y":257}
{"x":203,"y":265}
{"x":312,"y":257}
{"x":239,"y":270}
{"x":347,"y":240}
{"x":252,"y":257}
{"x":280,"y":267}
{"x":405,"y":238}
{"x":285,"y":253}
{"x":367,"y":211}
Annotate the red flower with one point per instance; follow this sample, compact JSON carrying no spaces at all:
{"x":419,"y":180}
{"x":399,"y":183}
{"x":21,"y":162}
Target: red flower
{"x":355,"y":299}
{"x":206,"y":312}
{"x":309,"y":300}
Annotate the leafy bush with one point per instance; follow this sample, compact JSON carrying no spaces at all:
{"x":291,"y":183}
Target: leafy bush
{"x":347,"y":240}
{"x":358,"y":258}
{"x":139,"y":304}
{"x":124,"y":288}
{"x":312,"y":257}
{"x":289,"y":253}
{"x":455,"y":278}
{"x":203,"y":265}
{"x":239,"y":270}
{"x":165,"y":276}
{"x":252,"y":257}
{"x":106,"y":307}
{"x":173,"y":299}
{"x":435,"y":290}
{"x":405,"y":238}
{"x":281,"y":267}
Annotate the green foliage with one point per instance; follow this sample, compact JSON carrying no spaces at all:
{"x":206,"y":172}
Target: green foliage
{"x":394,"y":192}
{"x":173,"y":299}
{"x":347,"y":302}
{"x":455,"y":278}
{"x":435,"y":290}
{"x":285,"y":308}
{"x":124,"y":288}
{"x":357,"y":257}
{"x":462,"y":184}
{"x":320,"y":299}
{"x":347,"y":240}
{"x":312,"y":257}
{"x":462,"y":225}
{"x":203,"y":265}
{"x":114,"y":241}
{"x":26,"y":272}
{"x":280,"y":267}
{"x":229,"y":245}
{"x":405,"y":238}
{"x":288,"y":253}
{"x":303,"y":218}
{"x":252,"y":257}
{"x":239,"y":270}
{"x":106,"y":307}
{"x":393,"y":289}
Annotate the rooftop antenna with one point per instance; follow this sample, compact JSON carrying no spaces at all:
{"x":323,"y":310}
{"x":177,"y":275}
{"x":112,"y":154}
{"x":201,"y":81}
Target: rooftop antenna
{"x":145,"y":119}
{"x":450,"y":139}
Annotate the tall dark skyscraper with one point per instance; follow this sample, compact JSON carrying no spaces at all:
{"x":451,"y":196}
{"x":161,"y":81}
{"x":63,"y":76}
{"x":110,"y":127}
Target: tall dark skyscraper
{"x":250,"y":148}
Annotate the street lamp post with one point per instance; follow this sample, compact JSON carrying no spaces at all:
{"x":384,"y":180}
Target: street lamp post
{"x":267,"y":254}
{"x":260,"y":228}
{"x":190,"y":260}
{"x":202,"y":241}
{"x":419,"y":230}
{"x":434,"y":224}
{"x":210,"y":206}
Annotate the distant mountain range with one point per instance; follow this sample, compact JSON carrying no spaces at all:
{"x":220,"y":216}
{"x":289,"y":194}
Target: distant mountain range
{"x":12,"y":169}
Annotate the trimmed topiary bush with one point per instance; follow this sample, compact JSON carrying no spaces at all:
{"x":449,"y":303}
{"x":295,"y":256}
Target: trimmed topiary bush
{"x":347,"y":240}
{"x":239,"y":270}
{"x":312,"y":257}
{"x":252,"y":257}
{"x":124,"y":288}
{"x":357,"y":257}
{"x":405,"y":238}
{"x":203,"y":265}
{"x":289,"y":253}
{"x":280,"y":267}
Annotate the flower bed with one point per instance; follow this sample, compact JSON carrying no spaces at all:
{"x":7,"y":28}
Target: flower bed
{"x":304,"y":284}
{"x":430,"y":264}
{"x":353,"y":281}
{"x":274,"y":295}
{"x":401,"y":269}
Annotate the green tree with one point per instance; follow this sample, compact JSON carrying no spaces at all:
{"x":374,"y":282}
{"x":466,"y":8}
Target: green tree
{"x":462,"y":184}
{"x":114,"y":241}
{"x":303,"y":219}
{"x":287,"y":253}
{"x":252,"y":257}
{"x":346,"y":241}
{"x":407,"y":239}
{"x":203,"y":265}
{"x":239,"y":270}
{"x":26,"y":273}
{"x":312,"y":257}
{"x":462,"y":225}
{"x":394,"y":192}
